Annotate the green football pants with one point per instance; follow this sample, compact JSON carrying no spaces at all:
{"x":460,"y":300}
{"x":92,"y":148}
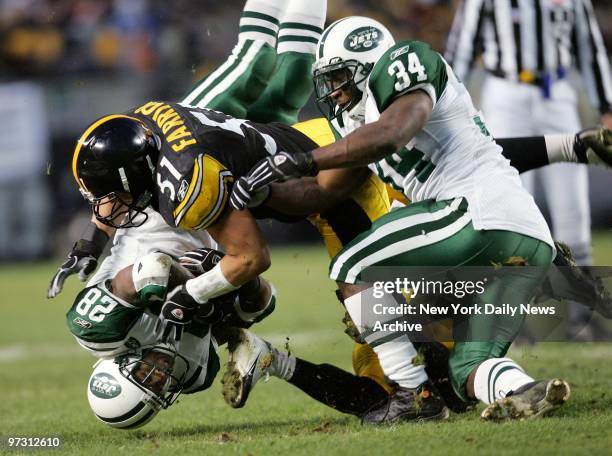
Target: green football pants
{"x":255,"y":84}
{"x":440,"y":233}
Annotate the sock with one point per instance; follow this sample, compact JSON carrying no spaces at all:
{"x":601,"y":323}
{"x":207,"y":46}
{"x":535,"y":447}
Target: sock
{"x":394,"y":349}
{"x":283,"y":364}
{"x":302,"y":26}
{"x":337,"y":388}
{"x":260,"y":20}
{"x":560,"y":148}
{"x":496,"y":377}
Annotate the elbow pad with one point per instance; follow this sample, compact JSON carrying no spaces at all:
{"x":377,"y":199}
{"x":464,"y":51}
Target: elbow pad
{"x":150,"y":275}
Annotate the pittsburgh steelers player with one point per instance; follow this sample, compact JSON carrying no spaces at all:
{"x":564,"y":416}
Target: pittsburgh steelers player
{"x":185,"y":195}
{"x":402,"y":113}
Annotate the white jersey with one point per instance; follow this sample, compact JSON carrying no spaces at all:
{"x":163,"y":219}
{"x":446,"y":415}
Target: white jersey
{"x":108,"y":326}
{"x":453,"y":155}
{"x":155,"y":235}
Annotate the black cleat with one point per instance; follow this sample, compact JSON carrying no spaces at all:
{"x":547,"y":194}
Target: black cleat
{"x":423,"y":403}
{"x":532,"y":400}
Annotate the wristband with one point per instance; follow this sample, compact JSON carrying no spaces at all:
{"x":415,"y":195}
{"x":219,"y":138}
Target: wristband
{"x":209,"y":285}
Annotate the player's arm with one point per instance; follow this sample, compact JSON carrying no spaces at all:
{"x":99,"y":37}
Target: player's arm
{"x":589,"y":146}
{"x":246,"y":252}
{"x":149,"y":279}
{"x":307,"y":196}
{"x":397,"y":125}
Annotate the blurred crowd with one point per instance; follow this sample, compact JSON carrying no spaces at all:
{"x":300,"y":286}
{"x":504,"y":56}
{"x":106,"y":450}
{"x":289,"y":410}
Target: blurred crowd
{"x":43,"y":37}
{"x":55,"y":37}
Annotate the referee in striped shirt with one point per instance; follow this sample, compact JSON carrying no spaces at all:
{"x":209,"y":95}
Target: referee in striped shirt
{"x":528,"y":47}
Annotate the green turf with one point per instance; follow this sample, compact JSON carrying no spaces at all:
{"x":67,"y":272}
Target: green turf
{"x":44,"y":373}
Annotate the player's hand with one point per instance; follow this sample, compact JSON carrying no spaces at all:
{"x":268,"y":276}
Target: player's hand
{"x":176,"y":313}
{"x":199,"y":261}
{"x":276,"y":168}
{"x":242,"y":197}
{"x":82,"y":260}
{"x":594,"y":146}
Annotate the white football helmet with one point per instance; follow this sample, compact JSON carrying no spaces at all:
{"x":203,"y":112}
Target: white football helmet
{"x":128,"y":391}
{"x":346,"y":53}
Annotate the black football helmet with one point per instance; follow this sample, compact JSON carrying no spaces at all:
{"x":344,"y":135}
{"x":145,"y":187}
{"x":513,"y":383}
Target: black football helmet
{"x":114,"y":158}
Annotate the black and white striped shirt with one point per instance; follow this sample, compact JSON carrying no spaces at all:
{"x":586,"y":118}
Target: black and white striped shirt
{"x":531,"y":41}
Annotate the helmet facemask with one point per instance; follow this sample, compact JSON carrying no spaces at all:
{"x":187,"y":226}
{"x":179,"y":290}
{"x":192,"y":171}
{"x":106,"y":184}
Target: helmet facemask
{"x":154,"y":372}
{"x":118,"y":210}
{"x":346,"y":75}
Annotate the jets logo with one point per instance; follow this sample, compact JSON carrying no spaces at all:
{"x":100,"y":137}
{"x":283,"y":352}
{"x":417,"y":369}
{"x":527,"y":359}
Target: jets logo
{"x":104,"y":386}
{"x":363,"y":39}
{"x":177,"y":313}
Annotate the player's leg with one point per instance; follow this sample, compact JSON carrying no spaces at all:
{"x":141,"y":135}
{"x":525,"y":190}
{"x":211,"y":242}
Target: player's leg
{"x":291,"y":85}
{"x":241,"y":79}
{"x":428,"y":234}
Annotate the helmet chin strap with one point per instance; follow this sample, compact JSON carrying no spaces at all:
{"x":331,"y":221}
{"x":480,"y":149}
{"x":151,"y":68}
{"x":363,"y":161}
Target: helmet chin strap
{"x":357,"y":112}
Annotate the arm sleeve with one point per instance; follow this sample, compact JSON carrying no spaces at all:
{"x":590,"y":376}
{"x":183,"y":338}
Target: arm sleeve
{"x":404,"y":68}
{"x":592,"y":57}
{"x":464,"y":42}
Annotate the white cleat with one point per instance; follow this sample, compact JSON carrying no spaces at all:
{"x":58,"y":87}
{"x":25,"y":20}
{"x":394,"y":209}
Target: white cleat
{"x":250,"y":358}
{"x":533,"y":400}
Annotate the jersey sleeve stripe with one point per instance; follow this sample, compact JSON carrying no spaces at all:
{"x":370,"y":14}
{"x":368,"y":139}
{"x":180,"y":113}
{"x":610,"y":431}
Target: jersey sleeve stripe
{"x":209,"y":195}
{"x":224,"y":176}
{"x":100,"y":347}
{"x":196,"y":182}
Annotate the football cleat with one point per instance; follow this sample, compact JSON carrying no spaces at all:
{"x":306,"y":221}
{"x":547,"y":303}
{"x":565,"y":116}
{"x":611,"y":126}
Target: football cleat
{"x":250,"y":358}
{"x":594,"y":146}
{"x":423,"y":403}
{"x":532,"y":400}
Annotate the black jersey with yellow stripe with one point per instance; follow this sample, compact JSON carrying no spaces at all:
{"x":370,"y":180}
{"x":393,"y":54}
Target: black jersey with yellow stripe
{"x":202,"y":153}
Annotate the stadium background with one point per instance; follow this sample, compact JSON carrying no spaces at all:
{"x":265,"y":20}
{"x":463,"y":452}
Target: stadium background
{"x":80,"y":59}
{"x":65,"y":62}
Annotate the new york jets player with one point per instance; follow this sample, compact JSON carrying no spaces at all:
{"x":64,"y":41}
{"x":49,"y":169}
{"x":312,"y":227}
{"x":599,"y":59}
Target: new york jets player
{"x":403,"y":113}
{"x":116,"y":318}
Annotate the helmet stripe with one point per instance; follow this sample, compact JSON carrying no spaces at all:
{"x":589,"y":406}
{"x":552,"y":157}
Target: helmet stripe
{"x":126,"y":415}
{"x":324,"y":37}
{"x":83,"y":138}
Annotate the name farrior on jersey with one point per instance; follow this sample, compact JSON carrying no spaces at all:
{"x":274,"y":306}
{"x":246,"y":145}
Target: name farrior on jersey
{"x":170,"y":122}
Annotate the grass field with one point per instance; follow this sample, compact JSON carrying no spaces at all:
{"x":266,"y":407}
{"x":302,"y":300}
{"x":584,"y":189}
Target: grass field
{"x":43,"y":375}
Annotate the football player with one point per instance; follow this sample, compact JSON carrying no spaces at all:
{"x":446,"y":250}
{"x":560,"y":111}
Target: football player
{"x":117,"y":318}
{"x":402,"y":112}
{"x":193,"y":174}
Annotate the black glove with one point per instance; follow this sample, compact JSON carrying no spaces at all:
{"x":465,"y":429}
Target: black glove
{"x":176,"y":313}
{"x":199,"y":261}
{"x":593,"y":146}
{"x":276,"y":168}
{"x":83,"y":259}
